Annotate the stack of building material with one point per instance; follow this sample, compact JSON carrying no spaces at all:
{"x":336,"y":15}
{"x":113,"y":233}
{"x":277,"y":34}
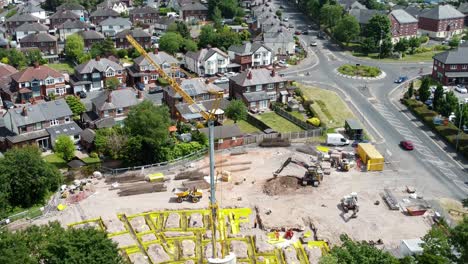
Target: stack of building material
{"x":326,"y":167}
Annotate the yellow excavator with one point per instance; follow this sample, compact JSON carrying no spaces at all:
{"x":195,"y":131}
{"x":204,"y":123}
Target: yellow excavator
{"x":313,"y":175}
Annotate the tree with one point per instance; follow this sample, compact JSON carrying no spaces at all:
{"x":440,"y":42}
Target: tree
{"x":112,"y":83}
{"x":179,"y":27}
{"x":29,"y":177}
{"x":14,"y":57}
{"x":438,"y":98}
{"x":378,"y":29}
{"x":226,"y":38}
{"x":459,"y":239}
{"x":217,"y":18}
{"x":414,"y":43}
{"x":34,"y":56}
{"x":368,"y":45}
{"x":424,"y":92}
{"x":76,"y":106}
{"x":278,"y":13}
{"x":148,"y":121}
{"x":207,"y":36}
{"x":402,"y":45}
{"x":347,"y":29}
{"x":64,"y":147}
{"x":449,"y":105}
{"x":74,"y":47}
{"x":330,"y":15}
{"x":373,"y":4}
{"x":236,"y":110}
{"x":386,"y":48}
{"x":11,"y":13}
{"x":53,"y":244}
{"x":190,"y":45}
{"x":244,"y":35}
{"x":110,"y":142}
{"x":411,"y":90}
{"x":436,"y":247}
{"x":454,"y":42}
{"x":104,"y":48}
{"x":229,"y":8}
{"x":171,"y":42}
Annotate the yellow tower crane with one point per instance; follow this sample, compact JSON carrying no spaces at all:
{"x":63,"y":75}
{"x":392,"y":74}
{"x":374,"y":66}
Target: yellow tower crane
{"x":210,"y":117}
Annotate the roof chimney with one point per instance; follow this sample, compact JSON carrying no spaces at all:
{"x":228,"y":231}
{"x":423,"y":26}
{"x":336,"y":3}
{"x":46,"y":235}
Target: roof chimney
{"x":273,"y":73}
{"x":109,"y":97}
{"x":156,"y":51}
{"x":207,"y":81}
{"x":98,"y":58}
{"x":36,"y":65}
{"x":249,"y":75}
{"x":24,"y":112}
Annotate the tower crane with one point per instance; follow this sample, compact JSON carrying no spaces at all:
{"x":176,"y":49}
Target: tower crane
{"x":209,"y":116}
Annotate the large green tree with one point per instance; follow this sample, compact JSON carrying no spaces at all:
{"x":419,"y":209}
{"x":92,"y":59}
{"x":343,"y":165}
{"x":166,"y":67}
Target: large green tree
{"x":104,"y":48}
{"x":347,"y":29}
{"x":76,"y":106}
{"x":378,"y":29}
{"x":64,"y":147}
{"x":179,"y":27}
{"x":171,"y":42}
{"x":436,"y":247}
{"x":148,"y":121}
{"x":459,"y":239}
{"x":29,"y":178}
{"x":228,"y":8}
{"x":53,"y":244}
{"x":111,"y":142}
{"x":207,"y":36}
{"x":112,"y":83}
{"x":236,"y":110}
{"x":424,"y":92}
{"x":438,"y":98}
{"x":330,"y":15}
{"x":74,"y":49}
{"x":13,"y":57}
{"x":449,"y":105}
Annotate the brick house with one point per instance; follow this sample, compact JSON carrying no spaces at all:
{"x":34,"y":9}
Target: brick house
{"x":193,"y":11}
{"x":463,"y":8}
{"x":35,"y":10}
{"x":112,"y":26}
{"x":141,"y":36}
{"x":144,"y":15}
{"x":198,"y":88}
{"x":207,"y":61}
{"x":115,"y":104}
{"x":226,"y":137}
{"x":75,"y":8}
{"x":40,"y":124}
{"x":90,"y":37}
{"x":60,"y":17}
{"x":71,"y":27}
{"x":91,"y":75}
{"x":45,"y":42}
{"x":100,"y":15}
{"x":19,"y":19}
{"x":441,"y":22}
{"x":257,"y":88}
{"x":143,"y":72}
{"x":7,"y":90}
{"x":30,"y":28}
{"x":117,"y":6}
{"x":36,"y":82}
{"x":451,"y":67}
{"x":250,"y":55}
{"x":404,"y":25}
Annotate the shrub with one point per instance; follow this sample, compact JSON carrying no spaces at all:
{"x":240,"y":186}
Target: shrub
{"x":93,"y":155}
{"x":314,"y":121}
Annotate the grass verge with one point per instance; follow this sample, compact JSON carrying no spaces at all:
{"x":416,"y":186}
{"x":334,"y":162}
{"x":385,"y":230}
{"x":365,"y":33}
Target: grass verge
{"x":278,"y":123}
{"x":56,"y":161}
{"x":245,"y":127}
{"x":62,"y":67}
{"x":89,"y":160}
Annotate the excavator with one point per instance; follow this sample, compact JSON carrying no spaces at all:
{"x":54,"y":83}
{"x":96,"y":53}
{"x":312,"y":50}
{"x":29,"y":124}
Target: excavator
{"x":350,"y":202}
{"x":313,"y":175}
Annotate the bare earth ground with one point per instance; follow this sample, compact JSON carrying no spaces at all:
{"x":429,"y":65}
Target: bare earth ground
{"x":288,"y":208}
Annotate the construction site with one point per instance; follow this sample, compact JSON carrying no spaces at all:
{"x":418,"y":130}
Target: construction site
{"x":276,"y":205}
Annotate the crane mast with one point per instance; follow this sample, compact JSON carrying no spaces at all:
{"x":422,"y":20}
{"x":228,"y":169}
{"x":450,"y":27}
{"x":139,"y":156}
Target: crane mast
{"x":208,"y":116}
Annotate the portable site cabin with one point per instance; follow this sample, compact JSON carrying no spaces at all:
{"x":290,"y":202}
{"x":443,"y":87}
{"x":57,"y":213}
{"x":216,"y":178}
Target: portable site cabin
{"x":370,"y":156}
{"x":354,"y":129}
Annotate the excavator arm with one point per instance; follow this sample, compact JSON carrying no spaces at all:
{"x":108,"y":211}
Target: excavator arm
{"x":287,"y":162}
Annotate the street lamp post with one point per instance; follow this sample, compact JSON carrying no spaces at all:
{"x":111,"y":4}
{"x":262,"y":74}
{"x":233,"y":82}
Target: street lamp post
{"x":461,"y":112}
{"x":380,"y":45}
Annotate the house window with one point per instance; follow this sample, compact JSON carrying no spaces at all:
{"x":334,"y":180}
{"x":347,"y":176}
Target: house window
{"x":76,"y":137}
{"x":270,"y":86}
{"x":67,"y":119}
{"x":154,"y":77}
{"x":258,"y":87}
{"x":38,"y":126}
{"x":206,"y":96}
{"x":119,"y":72}
{"x":22,"y":129}
{"x":120,"y":111}
{"x":60,"y":91}
{"x":453,"y":67}
{"x":106,"y":113}
{"x":465,"y":67}
{"x":49,"y":81}
{"x":220,"y":61}
{"x":110,"y":73}
{"x":281,"y":85}
{"x":120,"y":79}
{"x":253,"y":104}
{"x":256,"y":56}
{"x":263,"y":104}
{"x":54,"y":122}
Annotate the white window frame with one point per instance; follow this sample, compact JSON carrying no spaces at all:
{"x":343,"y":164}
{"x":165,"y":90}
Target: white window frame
{"x":464,"y":67}
{"x":54,"y":122}
{"x":270,"y":86}
{"x":154,"y":76}
{"x":67,"y":119}
{"x":253,"y":104}
{"x":258,"y":87}
{"x":110,"y":73}
{"x":281,"y":85}
{"x":119,"y":111}
{"x":263,"y":104}
{"x":453,"y":67}
{"x":50,"y":81}
{"x":106,"y":113}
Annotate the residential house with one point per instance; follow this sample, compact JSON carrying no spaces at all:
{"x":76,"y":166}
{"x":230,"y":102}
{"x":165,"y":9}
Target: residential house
{"x":100,"y":15}
{"x":441,"y":22}
{"x":227,"y":136}
{"x":351,"y":4}
{"x":17,"y":20}
{"x":30,"y":28}
{"x":115,"y":104}
{"x":188,"y":113}
{"x":404,"y":25}
{"x":76,"y":8}
{"x":141,"y":36}
{"x":34,"y":10}
{"x":162,"y":23}
{"x":143,"y":72}
{"x":116,"y":5}
{"x":193,"y":11}
{"x":45,"y":42}
{"x":364,"y":15}
{"x":250,"y":55}
{"x":199,"y":89}
{"x":415,"y":11}
{"x":451,"y":67}
{"x":177,"y":4}
{"x":280,"y":42}
{"x":257,"y":88}
{"x":463,"y":8}
{"x":91,"y":75}
{"x":71,"y":27}
{"x":144,"y":15}
{"x":60,"y":17}
{"x":7,"y":90}
{"x":37,"y":82}
{"x":40,"y":124}
{"x":111,"y":26}
{"x":207,"y":61}
{"x":90,"y":37}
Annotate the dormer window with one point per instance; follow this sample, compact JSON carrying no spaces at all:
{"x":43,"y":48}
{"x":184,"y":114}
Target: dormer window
{"x":110,"y":73}
{"x":49,"y":81}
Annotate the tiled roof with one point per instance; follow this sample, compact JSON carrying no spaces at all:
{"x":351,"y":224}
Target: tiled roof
{"x":32,"y":27}
{"x":457,"y":56}
{"x":38,"y":37}
{"x":224,"y":132}
{"x":442,"y":12}
{"x":88,"y":135}
{"x":105,"y":13}
{"x":39,"y":73}
{"x":28,"y":8}
{"x":463,"y":8}
{"x":144,"y":10}
{"x":39,"y":112}
{"x":403,"y":17}
{"x":136,"y":33}
{"x":205,"y":54}
{"x":187,"y":111}
{"x":69,"y":129}
{"x":364,"y":15}
{"x":195,"y":6}
{"x":114,"y":21}
{"x":6,"y":69}
{"x":100,"y":65}
{"x":247,"y":48}
{"x":195,"y":86}
{"x":73,"y":24}
{"x":259,"y":76}
{"x":91,"y":34}
{"x":22,"y":18}
{"x":64,"y":14}
{"x":160,"y":58}
{"x":70,"y":6}
{"x":119,"y":99}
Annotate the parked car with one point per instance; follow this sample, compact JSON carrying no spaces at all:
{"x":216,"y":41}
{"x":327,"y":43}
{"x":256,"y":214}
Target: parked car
{"x":407,"y":145}
{"x":81,"y":94}
{"x":8,"y":104}
{"x":285,"y":19}
{"x":336,"y":139}
{"x":155,"y":89}
{"x":230,"y":74}
{"x":461,"y":89}
{"x":291,"y":26}
{"x":140,"y":86}
{"x":222,"y":80}
{"x":401,"y":79}
{"x":313,"y":43}
{"x":305,"y":32}
{"x":297,"y":32}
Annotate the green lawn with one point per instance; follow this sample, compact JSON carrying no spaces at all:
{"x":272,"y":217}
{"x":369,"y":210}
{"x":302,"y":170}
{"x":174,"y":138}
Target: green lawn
{"x":424,"y":56}
{"x":244,"y":126}
{"x":278,"y":123}
{"x":56,"y":160}
{"x":298,"y":115}
{"x":89,"y":160}
{"x":62,"y":67}
{"x":361,"y":70}
{"x":329,"y":107}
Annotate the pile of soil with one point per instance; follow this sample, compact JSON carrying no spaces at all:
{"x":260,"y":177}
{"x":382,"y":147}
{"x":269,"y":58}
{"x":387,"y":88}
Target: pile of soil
{"x":281,"y":185}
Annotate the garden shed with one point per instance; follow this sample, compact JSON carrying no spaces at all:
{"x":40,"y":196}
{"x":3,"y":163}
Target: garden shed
{"x":354,"y":129}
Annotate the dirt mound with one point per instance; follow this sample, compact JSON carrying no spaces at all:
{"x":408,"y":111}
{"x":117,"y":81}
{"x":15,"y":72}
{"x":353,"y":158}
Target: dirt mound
{"x":281,"y":185}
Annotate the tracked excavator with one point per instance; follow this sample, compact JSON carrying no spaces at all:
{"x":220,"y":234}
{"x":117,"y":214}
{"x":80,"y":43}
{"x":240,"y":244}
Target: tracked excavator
{"x":350,"y":202}
{"x":313,"y":175}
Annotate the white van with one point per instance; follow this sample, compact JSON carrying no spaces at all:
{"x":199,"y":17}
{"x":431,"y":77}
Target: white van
{"x":336,"y":139}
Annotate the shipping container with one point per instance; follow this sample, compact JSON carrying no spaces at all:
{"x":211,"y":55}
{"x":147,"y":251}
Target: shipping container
{"x":370,"y":156}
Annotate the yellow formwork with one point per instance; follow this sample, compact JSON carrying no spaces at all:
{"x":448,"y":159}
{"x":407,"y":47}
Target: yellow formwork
{"x":93,"y":220}
{"x":321,"y":244}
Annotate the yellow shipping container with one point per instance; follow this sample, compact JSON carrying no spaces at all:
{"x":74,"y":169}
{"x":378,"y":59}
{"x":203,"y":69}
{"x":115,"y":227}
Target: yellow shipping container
{"x":371,"y":157}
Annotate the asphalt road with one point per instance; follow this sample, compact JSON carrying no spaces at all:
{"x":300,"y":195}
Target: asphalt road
{"x":433,"y":165}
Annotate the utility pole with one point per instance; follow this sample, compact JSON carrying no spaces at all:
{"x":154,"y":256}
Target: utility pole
{"x":461,"y":112}
{"x":380,"y":46}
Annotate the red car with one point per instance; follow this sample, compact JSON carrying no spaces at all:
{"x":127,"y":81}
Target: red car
{"x":406,"y":144}
{"x":298,"y":33}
